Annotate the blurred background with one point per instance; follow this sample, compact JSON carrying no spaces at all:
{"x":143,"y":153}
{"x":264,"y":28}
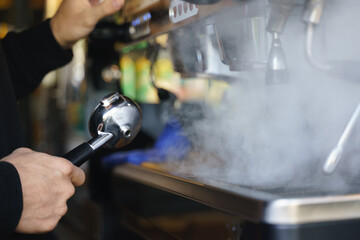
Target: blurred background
{"x":242,"y":100}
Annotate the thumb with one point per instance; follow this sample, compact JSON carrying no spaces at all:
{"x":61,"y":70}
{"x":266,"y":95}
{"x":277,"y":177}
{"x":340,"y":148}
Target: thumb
{"x":77,"y":176}
{"x":106,"y":8}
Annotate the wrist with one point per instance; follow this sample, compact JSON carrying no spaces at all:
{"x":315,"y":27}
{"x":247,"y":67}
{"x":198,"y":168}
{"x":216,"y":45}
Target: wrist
{"x":57,"y":32}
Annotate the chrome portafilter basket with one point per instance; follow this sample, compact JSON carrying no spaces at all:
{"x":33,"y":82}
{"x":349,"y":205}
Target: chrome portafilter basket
{"x":114,"y":123}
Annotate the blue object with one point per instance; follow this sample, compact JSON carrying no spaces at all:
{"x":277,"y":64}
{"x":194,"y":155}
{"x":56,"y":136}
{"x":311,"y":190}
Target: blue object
{"x":171,"y":144}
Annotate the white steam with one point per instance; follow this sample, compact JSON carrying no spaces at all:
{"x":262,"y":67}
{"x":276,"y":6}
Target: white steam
{"x":276,"y":135}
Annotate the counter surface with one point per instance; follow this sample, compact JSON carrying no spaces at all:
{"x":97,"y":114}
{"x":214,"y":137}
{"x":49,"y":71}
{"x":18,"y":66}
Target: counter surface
{"x":272,"y":206}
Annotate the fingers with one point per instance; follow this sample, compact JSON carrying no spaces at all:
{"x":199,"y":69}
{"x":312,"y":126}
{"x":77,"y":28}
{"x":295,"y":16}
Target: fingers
{"x":65,"y":167}
{"x":76,"y":174}
{"x":75,"y":20}
{"x":94,"y":2}
{"x":106,"y":8}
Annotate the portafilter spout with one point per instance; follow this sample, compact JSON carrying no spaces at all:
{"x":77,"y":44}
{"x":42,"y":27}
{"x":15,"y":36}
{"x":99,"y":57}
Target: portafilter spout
{"x":114,"y":123}
{"x":276,"y":70}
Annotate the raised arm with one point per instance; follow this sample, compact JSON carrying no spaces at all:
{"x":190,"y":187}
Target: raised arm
{"x":33,"y":53}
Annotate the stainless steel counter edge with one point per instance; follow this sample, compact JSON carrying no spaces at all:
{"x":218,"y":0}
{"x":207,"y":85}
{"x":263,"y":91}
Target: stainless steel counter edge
{"x":313,"y":209}
{"x":250,"y":204}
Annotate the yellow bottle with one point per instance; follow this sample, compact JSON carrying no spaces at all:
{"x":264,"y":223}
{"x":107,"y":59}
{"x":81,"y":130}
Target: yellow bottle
{"x":128,"y":77}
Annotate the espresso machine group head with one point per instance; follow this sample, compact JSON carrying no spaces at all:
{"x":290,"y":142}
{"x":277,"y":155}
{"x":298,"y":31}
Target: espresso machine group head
{"x":114,"y":123}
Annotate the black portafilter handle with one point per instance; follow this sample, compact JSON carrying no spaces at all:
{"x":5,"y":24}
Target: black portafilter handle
{"x":84,"y":151}
{"x":79,"y":155}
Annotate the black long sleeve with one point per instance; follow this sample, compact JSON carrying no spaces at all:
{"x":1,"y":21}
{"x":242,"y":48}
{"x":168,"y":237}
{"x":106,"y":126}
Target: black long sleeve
{"x":10,"y":199}
{"x":31,"y":54}
{"x":25,"y":58}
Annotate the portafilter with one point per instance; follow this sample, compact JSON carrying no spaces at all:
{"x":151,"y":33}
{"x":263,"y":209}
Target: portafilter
{"x":114,"y":123}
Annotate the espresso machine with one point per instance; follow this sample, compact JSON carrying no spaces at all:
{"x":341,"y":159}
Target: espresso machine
{"x":236,"y":42}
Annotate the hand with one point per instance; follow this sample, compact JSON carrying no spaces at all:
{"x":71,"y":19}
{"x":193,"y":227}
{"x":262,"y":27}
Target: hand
{"x":75,"y":19}
{"x":47,"y":183}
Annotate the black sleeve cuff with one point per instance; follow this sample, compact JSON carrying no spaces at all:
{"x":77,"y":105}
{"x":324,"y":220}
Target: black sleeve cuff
{"x":11,"y":201}
{"x":57,"y":56}
{"x":31,"y":54}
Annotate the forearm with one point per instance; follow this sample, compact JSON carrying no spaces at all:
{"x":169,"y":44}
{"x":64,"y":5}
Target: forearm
{"x":31,"y":54}
{"x":34,"y":52}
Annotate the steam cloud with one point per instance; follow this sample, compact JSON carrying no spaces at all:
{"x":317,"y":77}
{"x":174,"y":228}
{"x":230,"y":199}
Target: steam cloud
{"x":278,"y":135}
